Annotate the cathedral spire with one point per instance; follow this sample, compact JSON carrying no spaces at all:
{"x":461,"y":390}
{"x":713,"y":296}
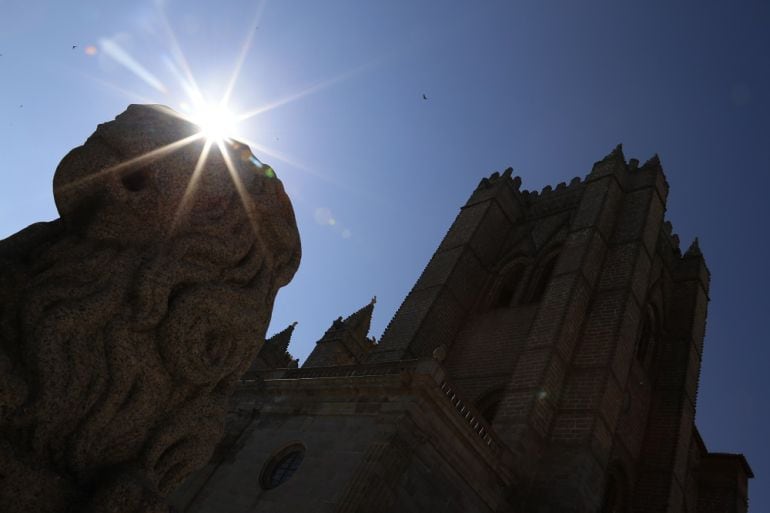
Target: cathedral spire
{"x":280,"y":341}
{"x":345,"y":342}
{"x":359,"y":322}
{"x":274,"y":353}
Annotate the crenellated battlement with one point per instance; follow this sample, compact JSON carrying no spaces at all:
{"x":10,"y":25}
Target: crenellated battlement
{"x":629,"y":174}
{"x":548,"y":191}
{"x":496,"y":178}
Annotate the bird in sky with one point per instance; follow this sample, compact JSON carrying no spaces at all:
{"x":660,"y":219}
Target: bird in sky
{"x":74,"y":46}
{"x":424,"y":97}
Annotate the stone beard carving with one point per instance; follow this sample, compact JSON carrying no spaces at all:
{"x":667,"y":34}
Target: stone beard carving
{"x":125,"y":323}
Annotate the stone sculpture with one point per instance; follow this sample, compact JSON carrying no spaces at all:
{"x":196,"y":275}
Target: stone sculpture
{"x":125,"y":322}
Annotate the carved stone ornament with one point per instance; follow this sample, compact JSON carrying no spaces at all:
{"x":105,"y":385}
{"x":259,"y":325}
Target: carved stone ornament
{"x":125,"y":323}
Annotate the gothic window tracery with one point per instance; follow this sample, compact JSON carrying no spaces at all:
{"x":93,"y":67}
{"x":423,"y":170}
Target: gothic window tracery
{"x":282,"y":466}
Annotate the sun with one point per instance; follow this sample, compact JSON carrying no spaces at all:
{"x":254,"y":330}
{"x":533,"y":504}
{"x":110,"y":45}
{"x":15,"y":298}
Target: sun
{"x":216,"y":122}
{"x":217,"y":125}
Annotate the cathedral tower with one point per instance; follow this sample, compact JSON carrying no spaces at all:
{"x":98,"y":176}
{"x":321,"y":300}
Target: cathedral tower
{"x":574,"y":323}
{"x":546,"y":360}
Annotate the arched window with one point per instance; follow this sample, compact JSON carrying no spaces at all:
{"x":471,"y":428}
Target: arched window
{"x":543,"y":277}
{"x":508,"y":286}
{"x":282,"y":466}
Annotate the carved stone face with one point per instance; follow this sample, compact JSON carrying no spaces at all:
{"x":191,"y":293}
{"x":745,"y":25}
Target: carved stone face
{"x":148,"y":304}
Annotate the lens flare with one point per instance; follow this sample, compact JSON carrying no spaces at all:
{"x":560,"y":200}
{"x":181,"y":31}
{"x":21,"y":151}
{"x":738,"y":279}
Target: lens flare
{"x":217,"y":123}
{"x":218,"y":126}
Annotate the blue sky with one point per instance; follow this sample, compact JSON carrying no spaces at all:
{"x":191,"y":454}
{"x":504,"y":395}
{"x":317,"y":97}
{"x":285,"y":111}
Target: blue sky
{"x":545,"y":87}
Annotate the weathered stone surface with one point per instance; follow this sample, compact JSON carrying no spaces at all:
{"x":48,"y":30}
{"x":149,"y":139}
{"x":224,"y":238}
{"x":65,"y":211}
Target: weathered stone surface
{"x":125,"y":323}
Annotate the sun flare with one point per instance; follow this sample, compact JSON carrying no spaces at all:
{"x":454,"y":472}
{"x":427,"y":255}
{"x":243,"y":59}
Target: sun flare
{"x":218,"y":126}
{"x":216,"y":122}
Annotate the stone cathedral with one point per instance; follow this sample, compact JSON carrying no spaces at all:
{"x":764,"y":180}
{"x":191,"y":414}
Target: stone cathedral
{"x":546,"y":360}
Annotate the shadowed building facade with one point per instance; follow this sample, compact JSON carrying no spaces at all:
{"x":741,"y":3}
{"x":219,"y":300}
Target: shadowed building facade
{"x":546,"y":360}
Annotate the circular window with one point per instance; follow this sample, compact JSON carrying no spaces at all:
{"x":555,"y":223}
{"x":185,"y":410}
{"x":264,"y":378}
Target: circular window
{"x":282,"y":466}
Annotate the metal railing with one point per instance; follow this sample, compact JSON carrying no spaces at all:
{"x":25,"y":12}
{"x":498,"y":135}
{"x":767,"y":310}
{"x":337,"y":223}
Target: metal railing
{"x":471,"y":416}
{"x":468,"y":413}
